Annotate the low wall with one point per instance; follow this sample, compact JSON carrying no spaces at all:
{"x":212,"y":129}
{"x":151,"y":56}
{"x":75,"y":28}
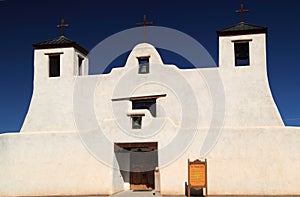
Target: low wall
{"x":37,"y":164}
{"x":244,"y":161}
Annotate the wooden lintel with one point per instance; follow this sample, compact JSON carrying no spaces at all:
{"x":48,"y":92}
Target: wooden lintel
{"x":53,"y":54}
{"x":241,"y":40}
{"x":140,"y":97}
{"x":151,"y":145}
{"x":135,"y":115}
{"x":143,"y":57}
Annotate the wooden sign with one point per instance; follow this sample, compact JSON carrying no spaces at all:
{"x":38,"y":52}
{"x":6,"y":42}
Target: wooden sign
{"x":197,"y":175}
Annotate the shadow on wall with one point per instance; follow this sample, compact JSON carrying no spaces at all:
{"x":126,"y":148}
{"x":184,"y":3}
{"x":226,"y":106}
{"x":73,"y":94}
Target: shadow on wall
{"x":194,"y":192}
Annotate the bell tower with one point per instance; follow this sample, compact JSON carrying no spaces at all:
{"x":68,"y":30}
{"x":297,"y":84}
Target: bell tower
{"x":243,"y":69}
{"x":59,"y":58}
{"x":242,"y":45}
{"x":58,"y":63}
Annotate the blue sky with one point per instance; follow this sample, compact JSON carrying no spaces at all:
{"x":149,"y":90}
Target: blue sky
{"x":26,"y":22}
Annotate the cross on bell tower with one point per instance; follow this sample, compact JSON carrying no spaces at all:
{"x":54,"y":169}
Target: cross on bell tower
{"x":62,"y":26}
{"x":242,"y":11}
{"x":145,"y":23}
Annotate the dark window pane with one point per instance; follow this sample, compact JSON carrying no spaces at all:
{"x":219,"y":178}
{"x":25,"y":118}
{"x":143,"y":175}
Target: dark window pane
{"x":136,"y":122}
{"x":143,"y":65}
{"x":149,"y":104}
{"x":54,"y":66}
{"x":241,"y":51}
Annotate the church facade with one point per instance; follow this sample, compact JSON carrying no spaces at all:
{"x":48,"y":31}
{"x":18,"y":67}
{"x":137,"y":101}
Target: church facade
{"x":136,"y":127}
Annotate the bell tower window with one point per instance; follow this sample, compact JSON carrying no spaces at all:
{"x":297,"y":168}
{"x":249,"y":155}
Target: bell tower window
{"x":143,"y":65}
{"x":241,"y":53}
{"x":54,"y":64}
{"x":80,"y":67}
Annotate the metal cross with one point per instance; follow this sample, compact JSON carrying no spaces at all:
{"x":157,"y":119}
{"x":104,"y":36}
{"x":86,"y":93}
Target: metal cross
{"x":242,"y":11}
{"x":145,"y":23}
{"x":62,"y":26}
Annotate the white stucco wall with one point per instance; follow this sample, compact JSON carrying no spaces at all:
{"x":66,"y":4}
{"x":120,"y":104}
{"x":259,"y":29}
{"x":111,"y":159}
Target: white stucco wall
{"x":248,"y":96}
{"x":37,"y":164}
{"x":256,"y":161}
{"x":253,"y":153}
{"x":51,"y":107}
{"x":245,"y":88}
{"x":262,"y":161}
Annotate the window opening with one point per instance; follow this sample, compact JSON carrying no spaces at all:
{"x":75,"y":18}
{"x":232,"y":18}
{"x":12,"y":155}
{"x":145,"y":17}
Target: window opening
{"x":241,"y":51}
{"x":54,"y":65}
{"x":143,"y":65}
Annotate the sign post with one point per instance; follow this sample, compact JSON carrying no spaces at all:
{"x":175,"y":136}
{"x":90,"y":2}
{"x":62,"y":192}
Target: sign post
{"x":197,"y":176}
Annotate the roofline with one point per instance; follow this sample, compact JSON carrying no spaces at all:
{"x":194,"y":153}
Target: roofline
{"x":67,"y":45}
{"x":242,"y":32}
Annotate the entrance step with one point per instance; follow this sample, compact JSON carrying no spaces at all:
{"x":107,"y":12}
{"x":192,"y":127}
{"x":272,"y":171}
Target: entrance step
{"x":135,"y":194}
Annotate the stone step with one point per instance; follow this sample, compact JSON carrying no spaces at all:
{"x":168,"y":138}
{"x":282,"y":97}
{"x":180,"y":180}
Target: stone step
{"x":135,"y":194}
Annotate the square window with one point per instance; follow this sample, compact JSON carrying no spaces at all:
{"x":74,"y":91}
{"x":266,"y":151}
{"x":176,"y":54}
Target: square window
{"x":241,"y":52}
{"x":54,"y":65}
{"x":136,"y":122}
{"x":143,"y":65}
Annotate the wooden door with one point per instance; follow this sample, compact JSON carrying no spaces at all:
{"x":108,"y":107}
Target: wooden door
{"x":142,"y":180}
{"x":143,"y":160}
{"x":142,"y":164}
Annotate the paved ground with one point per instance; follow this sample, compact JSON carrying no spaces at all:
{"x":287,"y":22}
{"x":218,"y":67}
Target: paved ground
{"x":150,"y":194}
{"x":135,"y":194}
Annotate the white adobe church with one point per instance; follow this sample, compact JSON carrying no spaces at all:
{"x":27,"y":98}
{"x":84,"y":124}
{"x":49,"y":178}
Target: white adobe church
{"x":147,"y":135}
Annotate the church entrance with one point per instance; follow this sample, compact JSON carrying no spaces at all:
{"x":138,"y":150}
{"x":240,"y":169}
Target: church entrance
{"x":141,"y":159}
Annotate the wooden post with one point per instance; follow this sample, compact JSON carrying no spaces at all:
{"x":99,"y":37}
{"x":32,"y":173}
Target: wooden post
{"x":189,"y":189}
{"x":206,"y":190}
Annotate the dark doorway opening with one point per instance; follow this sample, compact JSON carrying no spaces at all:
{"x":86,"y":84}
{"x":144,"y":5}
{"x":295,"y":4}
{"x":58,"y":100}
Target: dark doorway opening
{"x":137,"y":163}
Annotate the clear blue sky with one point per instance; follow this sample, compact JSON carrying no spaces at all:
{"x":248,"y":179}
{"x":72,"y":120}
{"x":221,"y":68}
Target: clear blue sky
{"x":26,"y":22}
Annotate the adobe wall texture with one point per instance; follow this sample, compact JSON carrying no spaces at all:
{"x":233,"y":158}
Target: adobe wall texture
{"x":225,"y":114}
